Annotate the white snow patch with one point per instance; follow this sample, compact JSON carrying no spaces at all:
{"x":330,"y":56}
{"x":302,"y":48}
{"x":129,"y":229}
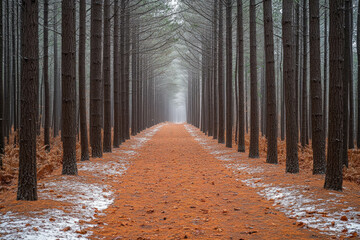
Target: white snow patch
{"x":140,"y":141}
{"x":88,"y":199}
{"x":17,"y":226}
{"x":310,"y":211}
{"x":106,"y":168}
{"x":292,"y":200}
{"x":245,"y":168}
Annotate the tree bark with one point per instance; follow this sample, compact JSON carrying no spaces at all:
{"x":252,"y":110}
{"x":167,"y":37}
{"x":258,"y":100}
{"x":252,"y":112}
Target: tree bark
{"x":215,"y":72}
{"x":221,"y":137}
{"x":271,"y":118}
{"x":57,"y":83}
{"x":106,"y":78}
{"x":254,"y":128}
{"x":347,"y":75}
{"x":351,"y":82}
{"x":27,"y":189}
{"x":46,"y":78}
{"x":292,"y":162}
{"x":68,"y":69}
{"x":2,"y":143}
{"x":333,"y":177}
{"x":95,"y":79}
{"x":304,"y":115}
{"x":318,"y":141}
{"x":116,"y":74}
{"x":358,"y":56}
{"x":82,"y":83}
{"x":325,"y":122}
{"x":241,"y":114}
{"x":229,"y":87}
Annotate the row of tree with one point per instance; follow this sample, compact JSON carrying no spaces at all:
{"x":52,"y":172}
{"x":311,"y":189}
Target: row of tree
{"x":288,"y":92}
{"x":127,"y":57}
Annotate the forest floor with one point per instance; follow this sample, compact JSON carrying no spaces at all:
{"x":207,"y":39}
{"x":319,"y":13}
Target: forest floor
{"x":173,"y":182}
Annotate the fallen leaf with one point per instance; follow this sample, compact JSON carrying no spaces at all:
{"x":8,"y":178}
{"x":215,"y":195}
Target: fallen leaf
{"x":67,"y":229}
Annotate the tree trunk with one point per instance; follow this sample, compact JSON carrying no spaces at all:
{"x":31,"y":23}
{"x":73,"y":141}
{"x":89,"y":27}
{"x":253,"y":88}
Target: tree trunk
{"x":271,"y":118}
{"x":127,"y":73}
{"x":254,"y":128}
{"x":215,"y":72}
{"x":27,"y":189}
{"x":82,"y":83}
{"x":106,"y":78}
{"x":57,"y":86}
{"x":2,"y":144}
{"x":116,"y":74}
{"x":347,"y":75}
{"x":229,"y":87}
{"x":95,"y":79}
{"x":68,"y":69}
{"x":358,"y":56}
{"x":297,"y":65}
{"x":304,"y":115}
{"x":351,"y":82}
{"x":334,"y":166}
{"x":318,"y":141}
{"x":14,"y":85}
{"x":325,"y":122}
{"x":46,"y":78}
{"x":221,"y":136}
{"x":292,"y":162}
{"x":134,"y":75}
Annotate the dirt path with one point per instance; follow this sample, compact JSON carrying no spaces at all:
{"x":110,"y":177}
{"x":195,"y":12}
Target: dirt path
{"x":174,"y":189}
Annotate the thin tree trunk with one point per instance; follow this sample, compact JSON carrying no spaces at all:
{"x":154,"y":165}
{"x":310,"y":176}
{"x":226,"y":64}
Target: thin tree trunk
{"x":57,"y":86}
{"x":229,"y":74}
{"x":325,"y":122}
{"x":304,"y":130}
{"x":297,"y":65}
{"x":221,"y":137}
{"x":95,"y":79}
{"x":13,"y":48}
{"x":2,"y":143}
{"x":82,"y":83}
{"x":241,"y":117}
{"x":27,"y":183}
{"x":254,"y":130}
{"x":292,"y":162}
{"x":106,"y":79}
{"x":358,"y":57}
{"x":334,"y":166}
{"x":271,"y":118}
{"x":318,"y":141}
{"x":46,"y":78}
{"x":215,"y":72}
{"x":351,"y":82}
{"x":346,"y":78}
{"x":127,"y":73}
{"x":68,"y":66}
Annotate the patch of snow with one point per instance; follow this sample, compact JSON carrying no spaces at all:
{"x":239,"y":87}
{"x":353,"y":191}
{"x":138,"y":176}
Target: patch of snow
{"x":140,"y":141}
{"x":291,"y":199}
{"x":38,"y":226}
{"x":245,"y":168}
{"x":294,"y":203}
{"x":88,"y":199}
{"x":106,"y":168}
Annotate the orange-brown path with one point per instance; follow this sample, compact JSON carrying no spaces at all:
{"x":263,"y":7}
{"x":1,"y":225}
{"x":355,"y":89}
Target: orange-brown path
{"x":176,"y":190}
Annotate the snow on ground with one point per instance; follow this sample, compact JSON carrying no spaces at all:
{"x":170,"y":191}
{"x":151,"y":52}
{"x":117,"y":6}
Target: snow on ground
{"x":140,"y":141}
{"x":87,"y":200}
{"x":296,"y":201}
